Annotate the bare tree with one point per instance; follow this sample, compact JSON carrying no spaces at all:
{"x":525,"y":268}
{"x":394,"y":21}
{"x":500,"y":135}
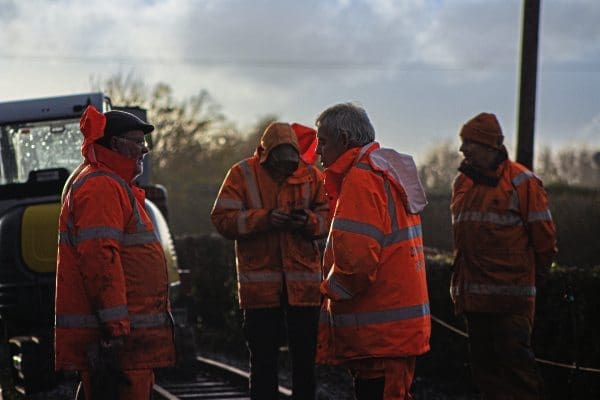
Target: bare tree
{"x":193,"y":146}
{"x":573,"y":166}
{"x":439,"y":169}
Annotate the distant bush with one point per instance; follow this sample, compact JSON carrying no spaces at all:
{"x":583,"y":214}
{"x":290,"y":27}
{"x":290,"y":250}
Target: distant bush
{"x":212,"y":298}
{"x":575,"y":210}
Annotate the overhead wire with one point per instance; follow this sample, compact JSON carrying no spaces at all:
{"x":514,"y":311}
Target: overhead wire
{"x":304,"y":63}
{"x":273,"y":63}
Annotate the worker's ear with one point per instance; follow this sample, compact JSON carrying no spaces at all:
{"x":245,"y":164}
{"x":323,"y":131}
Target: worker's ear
{"x":344,"y":139}
{"x":113,"y":142}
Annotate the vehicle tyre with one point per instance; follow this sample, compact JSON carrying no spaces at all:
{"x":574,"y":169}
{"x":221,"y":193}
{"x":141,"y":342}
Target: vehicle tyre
{"x":31,"y":373}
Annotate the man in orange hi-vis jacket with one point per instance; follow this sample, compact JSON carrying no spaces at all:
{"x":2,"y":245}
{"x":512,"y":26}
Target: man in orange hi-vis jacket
{"x":113,"y":323}
{"x":375,"y":318}
{"x":504,"y":243}
{"x":273,"y":204}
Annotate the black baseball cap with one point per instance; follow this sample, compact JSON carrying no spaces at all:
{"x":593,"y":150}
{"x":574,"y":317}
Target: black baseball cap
{"x":119,"y":122}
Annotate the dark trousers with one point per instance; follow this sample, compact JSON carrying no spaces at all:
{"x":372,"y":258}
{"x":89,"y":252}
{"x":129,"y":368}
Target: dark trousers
{"x":369,"y":389}
{"x":501,"y":357}
{"x":263,"y":331}
{"x":382,"y":378}
{"x":139,"y":386}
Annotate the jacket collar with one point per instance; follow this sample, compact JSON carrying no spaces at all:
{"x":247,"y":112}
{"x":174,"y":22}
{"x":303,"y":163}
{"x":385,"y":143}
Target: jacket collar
{"x":350,"y":158}
{"x":122,"y":166}
{"x":335,"y":173}
{"x":300,"y":175}
{"x":485,"y":177}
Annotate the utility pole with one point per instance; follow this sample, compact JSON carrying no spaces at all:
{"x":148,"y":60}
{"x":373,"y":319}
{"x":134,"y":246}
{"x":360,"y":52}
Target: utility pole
{"x":527,"y":87}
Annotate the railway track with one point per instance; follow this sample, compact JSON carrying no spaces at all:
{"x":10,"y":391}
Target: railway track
{"x":211,"y":379}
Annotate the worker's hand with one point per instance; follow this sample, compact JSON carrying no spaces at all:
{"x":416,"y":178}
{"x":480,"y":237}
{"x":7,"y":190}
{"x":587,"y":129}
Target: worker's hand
{"x":111,"y":348}
{"x":113,"y":343}
{"x":278,"y":218}
{"x":104,"y":361}
{"x":103,"y":355}
{"x":298,"y":218}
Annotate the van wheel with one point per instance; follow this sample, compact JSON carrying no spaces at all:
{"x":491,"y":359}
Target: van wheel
{"x":7,"y":384}
{"x":31,"y":373}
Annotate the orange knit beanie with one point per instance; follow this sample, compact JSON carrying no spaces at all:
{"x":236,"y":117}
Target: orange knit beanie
{"x":485,"y":129}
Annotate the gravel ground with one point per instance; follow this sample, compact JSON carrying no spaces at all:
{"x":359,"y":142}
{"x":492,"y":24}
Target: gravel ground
{"x":334,"y":383}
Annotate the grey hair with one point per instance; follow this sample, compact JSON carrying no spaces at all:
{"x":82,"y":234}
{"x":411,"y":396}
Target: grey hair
{"x":349,"y":118}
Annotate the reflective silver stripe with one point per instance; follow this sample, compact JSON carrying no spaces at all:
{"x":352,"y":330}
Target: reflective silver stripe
{"x":65,"y":238}
{"x":391,"y":205}
{"x":251,"y":184}
{"x":513,"y":203}
{"x":241,"y":222}
{"x":110,"y":314}
{"x":454,"y":291}
{"x":306,"y":194}
{"x":149,"y":320}
{"x":365,"y":166}
{"x":360,"y":228}
{"x":397,"y":234}
{"x":80,"y":181}
{"x":503,"y":290}
{"x":92,"y":321}
{"x":103,"y":232}
{"x":341,"y":292}
{"x":373,"y":232}
{"x":77,"y":321}
{"x":136,"y":239}
{"x":70,"y":224}
{"x":328,"y":242}
{"x":410,"y":232}
{"x":380,"y":317}
{"x":522,"y":177}
{"x":322,"y":207}
{"x":494,"y":218}
{"x":229,"y":204}
{"x":302,"y":276}
{"x":307,"y":197}
{"x":544,"y":215}
{"x":262,"y":276}
{"x":134,"y":205}
{"x":363,"y":150}
{"x":98,"y":232}
{"x":321,"y":225}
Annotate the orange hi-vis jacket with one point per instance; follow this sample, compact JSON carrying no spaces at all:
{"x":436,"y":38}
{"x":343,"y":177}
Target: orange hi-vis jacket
{"x":111,"y":277}
{"x":268,"y":259}
{"x":502,"y":234}
{"x":376,"y":291}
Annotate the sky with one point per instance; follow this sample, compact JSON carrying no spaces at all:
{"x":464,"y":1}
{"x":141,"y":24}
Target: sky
{"x":420,"y":68}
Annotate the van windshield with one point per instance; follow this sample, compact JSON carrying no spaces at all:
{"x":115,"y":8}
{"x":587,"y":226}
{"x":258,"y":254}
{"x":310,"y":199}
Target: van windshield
{"x":40,"y":145}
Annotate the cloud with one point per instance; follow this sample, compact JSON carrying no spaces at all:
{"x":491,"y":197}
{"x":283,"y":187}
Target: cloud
{"x":311,"y":35}
{"x":354,"y":37}
{"x":569,"y":32}
{"x":470,"y":35}
{"x":401,"y":59}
